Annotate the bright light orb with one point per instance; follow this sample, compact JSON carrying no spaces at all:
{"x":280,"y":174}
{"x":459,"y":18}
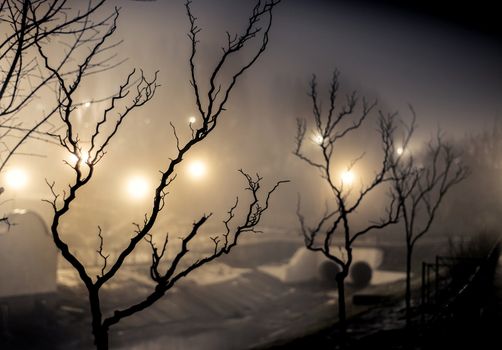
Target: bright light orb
{"x":399,"y":151}
{"x":348,"y":177}
{"x":192,"y":120}
{"x":16,"y":179}
{"x":318,"y":139}
{"x":74,"y":159}
{"x":197,"y":169}
{"x":87,"y":104}
{"x":137,"y":187}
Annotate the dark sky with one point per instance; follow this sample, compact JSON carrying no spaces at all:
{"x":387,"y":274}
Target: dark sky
{"x":481,"y":17}
{"x":447,"y":66}
{"x":443,"y":59}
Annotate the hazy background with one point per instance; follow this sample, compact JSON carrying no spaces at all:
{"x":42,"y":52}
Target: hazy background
{"x":444,"y":61}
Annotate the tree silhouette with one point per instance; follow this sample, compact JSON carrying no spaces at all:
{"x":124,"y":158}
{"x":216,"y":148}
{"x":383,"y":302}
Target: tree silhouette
{"x":338,"y":220}
{"x":420,"y":188}
{"x":50,"y":24}
{"x":55,"y":25}
{"x":165,"y":271}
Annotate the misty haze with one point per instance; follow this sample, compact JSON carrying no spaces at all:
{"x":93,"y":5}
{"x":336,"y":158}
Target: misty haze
{"x":250,"y":174}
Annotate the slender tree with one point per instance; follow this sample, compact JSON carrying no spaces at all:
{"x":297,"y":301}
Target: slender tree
{"x":420,"y":187}
{"x":165,"y":271}
{"x":338,"y":221}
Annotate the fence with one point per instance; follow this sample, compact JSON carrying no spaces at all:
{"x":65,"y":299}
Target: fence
{"x":453,"y":281}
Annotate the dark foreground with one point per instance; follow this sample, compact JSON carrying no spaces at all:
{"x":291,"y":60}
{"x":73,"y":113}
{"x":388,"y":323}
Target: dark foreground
{"x":249,"y":309}
{"x":471,"y":321}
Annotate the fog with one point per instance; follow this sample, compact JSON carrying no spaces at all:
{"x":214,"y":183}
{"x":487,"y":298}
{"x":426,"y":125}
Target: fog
{"x":448,"y":69}
{"x":450,"y":75}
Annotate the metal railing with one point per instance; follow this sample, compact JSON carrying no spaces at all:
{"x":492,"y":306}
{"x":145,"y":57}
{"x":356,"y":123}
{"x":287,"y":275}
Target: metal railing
{"x":449,"y":280}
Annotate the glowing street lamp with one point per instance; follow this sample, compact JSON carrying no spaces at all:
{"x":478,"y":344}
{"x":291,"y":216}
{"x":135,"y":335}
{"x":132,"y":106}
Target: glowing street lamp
{"x":399,"y":151}
{"x":318,"y":139}
{"x":138,"y":187}
{"x":347,"y":177}
{"x":84,"y":158}
{"x":16,"y":178}
{"x":192,"y":120}
{"x":197,"y":169}
{"x":87,"y":104}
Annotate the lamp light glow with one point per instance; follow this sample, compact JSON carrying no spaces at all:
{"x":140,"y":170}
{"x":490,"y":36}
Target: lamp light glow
{"x":348,"y":177}
{"x":197,"y":169}
{"x":138,"y":187}
{"x":16,"y":178}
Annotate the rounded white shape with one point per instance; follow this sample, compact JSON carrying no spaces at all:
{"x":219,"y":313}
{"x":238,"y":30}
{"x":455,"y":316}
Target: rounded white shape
{"x":87,"y":104}
{"x":192,"y":120}
{"x":317,"y":138}
{"x":197,"y":169}
{"x":348,"y":177}
{"x":400,"y":150}
{"x":137,"y":187}
{"x":73,"y":158}
{"x":16,"y":178}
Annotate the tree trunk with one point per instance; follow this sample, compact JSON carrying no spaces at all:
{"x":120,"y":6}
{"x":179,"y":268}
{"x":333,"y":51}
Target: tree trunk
{"x":409,"y":252}
{"x":100,"y":338}
{"x":342,"y":316}
{"x":98,"y":330}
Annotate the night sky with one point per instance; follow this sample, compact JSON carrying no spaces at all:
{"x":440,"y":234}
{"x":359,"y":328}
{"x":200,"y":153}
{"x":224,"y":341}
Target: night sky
{"x":443,"y":60}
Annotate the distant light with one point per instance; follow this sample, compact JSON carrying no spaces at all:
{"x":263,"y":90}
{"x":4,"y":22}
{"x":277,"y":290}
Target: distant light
{"x":399,"y":151}
{"x":318,"y":139}
{"x":87,"y":104}
{"x":197,"y":169}
{"x":16,"y":179}
{"x":84,"y":158}
{"x":192,"y":119}
{"x":138,"y":187}
{"x":348,"y":177}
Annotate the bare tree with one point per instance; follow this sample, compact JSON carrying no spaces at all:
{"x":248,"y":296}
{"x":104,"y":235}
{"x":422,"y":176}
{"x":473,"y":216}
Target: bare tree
{"x":420,"y":188}
{"x":165,"y":271}
{"x":24,"y":24}
{"x":338,"y":221}
{"x":63,"y":26}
